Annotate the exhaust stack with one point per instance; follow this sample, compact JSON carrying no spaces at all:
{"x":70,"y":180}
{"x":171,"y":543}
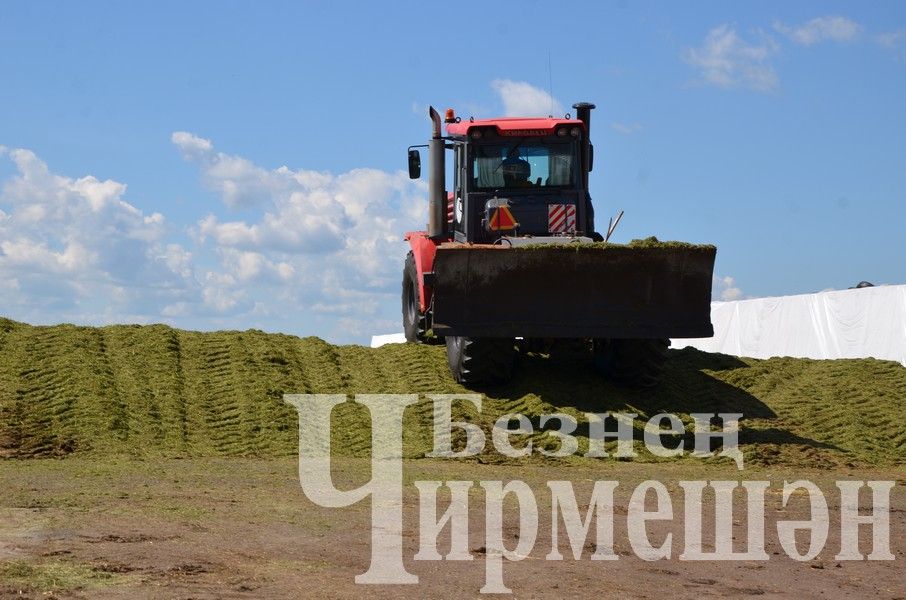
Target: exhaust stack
{"x":437,"y":193}
{"x":583,"y":113}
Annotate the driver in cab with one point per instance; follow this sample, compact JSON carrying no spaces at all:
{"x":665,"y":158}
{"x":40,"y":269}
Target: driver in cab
{"x":516,"y":171}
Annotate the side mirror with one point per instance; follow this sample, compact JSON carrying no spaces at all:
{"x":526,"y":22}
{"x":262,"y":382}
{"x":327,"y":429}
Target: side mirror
{"x":591,"y":156}
{"x":415,"y":164}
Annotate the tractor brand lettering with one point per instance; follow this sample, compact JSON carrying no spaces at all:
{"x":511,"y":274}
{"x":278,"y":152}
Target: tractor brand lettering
{"x":524,"y":132}
{"x":575,"y":511}
{"x":561,"y":218}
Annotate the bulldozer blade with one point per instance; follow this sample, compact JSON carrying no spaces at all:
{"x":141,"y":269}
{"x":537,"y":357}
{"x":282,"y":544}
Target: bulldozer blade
{"x":578,"y":291}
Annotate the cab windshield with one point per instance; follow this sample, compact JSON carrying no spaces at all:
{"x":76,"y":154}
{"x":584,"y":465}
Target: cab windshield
{"x":524,"y":163}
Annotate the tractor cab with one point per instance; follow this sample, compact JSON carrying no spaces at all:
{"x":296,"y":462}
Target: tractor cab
{"x":517,"y":177}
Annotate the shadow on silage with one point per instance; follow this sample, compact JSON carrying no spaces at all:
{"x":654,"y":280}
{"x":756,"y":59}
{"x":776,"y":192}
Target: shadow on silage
{"x":570,"y":380}
{"x":689,"y":385}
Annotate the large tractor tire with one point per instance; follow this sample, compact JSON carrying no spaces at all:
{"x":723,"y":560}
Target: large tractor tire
{"x":481,"y":360}
{"x":415,"y":322}
{"x":631,"y":363}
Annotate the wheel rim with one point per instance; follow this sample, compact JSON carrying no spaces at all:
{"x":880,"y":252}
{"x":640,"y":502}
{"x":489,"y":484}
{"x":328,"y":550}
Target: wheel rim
{"x":454,"y":356}
{"x":412,"y":304}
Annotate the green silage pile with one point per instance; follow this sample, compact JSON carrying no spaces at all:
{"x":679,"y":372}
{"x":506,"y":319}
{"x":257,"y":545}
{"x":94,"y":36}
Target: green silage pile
{"x":649,"y":243}
{"x":157,"y":391}
{"x":653,"y":242}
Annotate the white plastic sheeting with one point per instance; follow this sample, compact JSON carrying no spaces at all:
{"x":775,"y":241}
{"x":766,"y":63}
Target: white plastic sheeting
{"x":860,"y":323}
{"x":389,"y":338}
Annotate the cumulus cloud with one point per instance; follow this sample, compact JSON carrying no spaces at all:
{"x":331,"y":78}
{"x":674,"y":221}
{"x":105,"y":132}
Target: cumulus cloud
{"x":76,"y":244}
{"x":314,"y":252}
{"x":191,"y":145}
{"x":240,"y":183}
{"x":320,"y":239}
{"x":833,"y":28}
{"x":254,"y":266}
{"x":521,"y":99}
{"x":725,"y":289}
{"x":726,"y":60}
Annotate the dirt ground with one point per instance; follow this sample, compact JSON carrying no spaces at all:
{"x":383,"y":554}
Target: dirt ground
{"x":242,"y":528}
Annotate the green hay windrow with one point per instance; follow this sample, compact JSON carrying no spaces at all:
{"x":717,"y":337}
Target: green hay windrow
{"x":158,"y":391}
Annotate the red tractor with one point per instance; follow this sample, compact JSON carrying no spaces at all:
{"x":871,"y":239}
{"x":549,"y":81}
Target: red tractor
{"x":512,"y":253}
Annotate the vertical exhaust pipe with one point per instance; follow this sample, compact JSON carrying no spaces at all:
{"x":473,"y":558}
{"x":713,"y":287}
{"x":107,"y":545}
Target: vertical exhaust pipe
{"x":583,"y":113}
{"x":437,"y":193}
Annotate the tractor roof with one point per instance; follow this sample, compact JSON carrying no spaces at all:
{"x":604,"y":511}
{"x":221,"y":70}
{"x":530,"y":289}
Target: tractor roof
{"x":513,"y":126}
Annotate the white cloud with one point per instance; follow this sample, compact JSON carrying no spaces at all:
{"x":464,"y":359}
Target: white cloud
{"x":313,"y":252}
{"x":319,"y":240}
{"x":220,"y":292}
{"x":832,"y":27}
{"x":248,"y":267}
{"x":74,"y":245}
{"x":240,"y":183}
{"x":24,"y":253}
{"x":726,"y":60}
{"x":177,"y":309}
{"x":725,"y":289}
{"x":521,"y":99}
{"x":191,"y":145}
{"x":626,"y":128}
{"x":177,"y":259}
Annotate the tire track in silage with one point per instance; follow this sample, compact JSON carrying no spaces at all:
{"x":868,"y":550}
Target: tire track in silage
{"x":213,"y":415}
{"x":45,"y":408}
{"x":64,"y":398}
{"x":273,"y":369}
{"x":838,"y":411}
{"x":315,"y":369}
{"x":106,"y":386}
{"x":10,"y":435}
{"x":350,"y":431}
{"x":143,"y":409}
{"x":414,"y":369}
{"x":381,"y":371}
{"x":145,"y":364}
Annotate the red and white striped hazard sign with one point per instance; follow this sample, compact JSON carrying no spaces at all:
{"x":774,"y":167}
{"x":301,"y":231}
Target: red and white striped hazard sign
{"x":561,"y":218}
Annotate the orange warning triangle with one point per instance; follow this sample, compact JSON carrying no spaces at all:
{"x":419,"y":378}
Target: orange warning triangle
{"x":502,"y":219}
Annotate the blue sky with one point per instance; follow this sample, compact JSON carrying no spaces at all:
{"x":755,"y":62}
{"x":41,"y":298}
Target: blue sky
{"x":239,"y":164}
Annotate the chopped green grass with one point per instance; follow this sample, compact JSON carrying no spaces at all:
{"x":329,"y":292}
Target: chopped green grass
{"x":649,"y":243}
{"x":653,"y":242}
{"x":155,"y":391}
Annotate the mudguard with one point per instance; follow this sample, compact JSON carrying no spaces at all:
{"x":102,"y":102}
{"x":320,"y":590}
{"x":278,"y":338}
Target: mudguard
{"x":423,"y":250}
